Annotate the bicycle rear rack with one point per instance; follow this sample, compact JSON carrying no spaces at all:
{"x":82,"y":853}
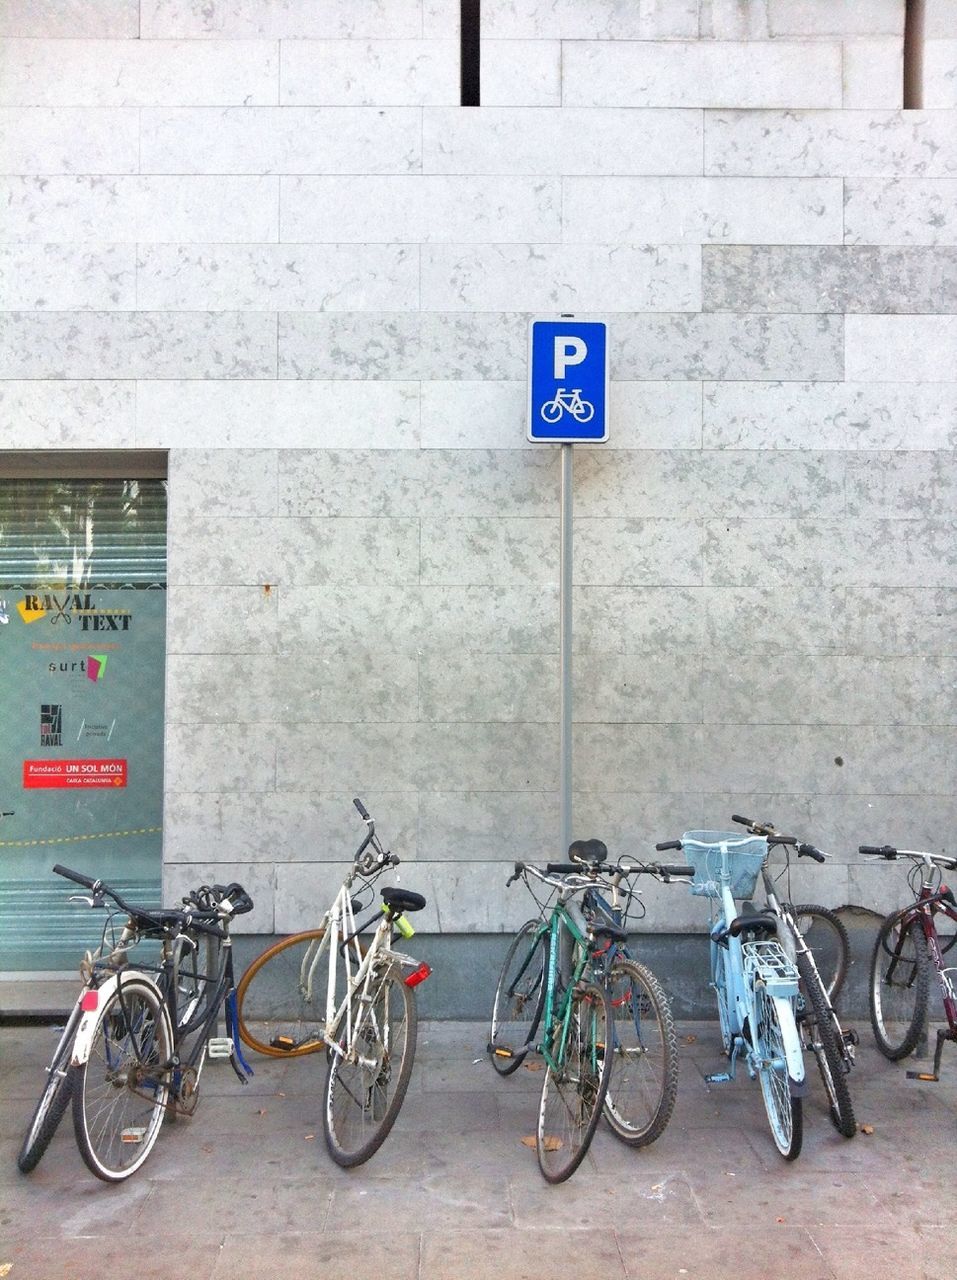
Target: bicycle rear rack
{"x":768,"y":963}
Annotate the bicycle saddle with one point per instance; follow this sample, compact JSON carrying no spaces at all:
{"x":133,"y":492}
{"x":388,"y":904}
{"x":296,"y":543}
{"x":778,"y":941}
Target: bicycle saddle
{"x":399,"y":900}
{"x":587,"y":851}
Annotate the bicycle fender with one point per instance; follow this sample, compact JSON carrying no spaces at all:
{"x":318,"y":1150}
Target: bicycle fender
{"x":793,"y":1049}
{"x":83,"y":1040}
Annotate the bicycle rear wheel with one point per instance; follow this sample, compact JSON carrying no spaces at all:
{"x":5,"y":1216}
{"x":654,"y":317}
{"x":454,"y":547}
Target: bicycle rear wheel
{"x":900,"y":970}
{"x":53,"y":1101}
{"x":519,"y":999}
{"x":643,"y":1082}
{"x":574,"y":1089}
{"x":823,"y":1032}
{"x":120,"y":1093}
{"x":774,"y":1025}
{"x":825,"y":934}
{"x":366,"y":1085}
{"x":281,"y":998}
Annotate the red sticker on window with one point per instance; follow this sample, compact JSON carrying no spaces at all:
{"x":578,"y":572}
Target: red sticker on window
{"x":74,"y":773}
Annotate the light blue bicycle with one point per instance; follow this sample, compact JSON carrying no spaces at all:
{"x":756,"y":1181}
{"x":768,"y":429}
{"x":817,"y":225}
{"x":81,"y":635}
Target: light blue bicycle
{"x":755,"y":982}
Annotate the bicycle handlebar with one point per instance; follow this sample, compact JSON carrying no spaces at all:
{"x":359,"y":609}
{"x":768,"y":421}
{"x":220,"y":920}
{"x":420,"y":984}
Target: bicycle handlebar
{"x":891,"y":853}
{"x":213,"y":904}
{"x":881,"y":851}
{"x":775,"y":837}
{"x":664,"y":845}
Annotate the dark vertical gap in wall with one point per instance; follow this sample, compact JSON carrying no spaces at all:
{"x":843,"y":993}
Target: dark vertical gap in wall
{"x":914,"y":54}
{"x":471,"y":52}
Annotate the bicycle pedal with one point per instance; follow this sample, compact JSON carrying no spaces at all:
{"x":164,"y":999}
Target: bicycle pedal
{"x":851,"y":1038}
{"x":498,"y":1051}
{"x":718,"y":1077}
{"x":282,"y":1042}
{"x":927,"y":1076}
{"x":219,"y":1047}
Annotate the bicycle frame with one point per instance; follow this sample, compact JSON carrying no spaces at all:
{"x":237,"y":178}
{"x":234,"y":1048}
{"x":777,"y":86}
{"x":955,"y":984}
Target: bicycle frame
{"x":559,"y":919}
{"x":930,"y":903}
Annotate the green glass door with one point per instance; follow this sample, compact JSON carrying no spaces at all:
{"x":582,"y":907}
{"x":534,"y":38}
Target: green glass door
{"x":82,"y":656}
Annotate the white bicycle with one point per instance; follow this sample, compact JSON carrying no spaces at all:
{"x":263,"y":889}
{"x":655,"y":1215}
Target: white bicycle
{"x":321,"y":989}
{"x":568,"y":402}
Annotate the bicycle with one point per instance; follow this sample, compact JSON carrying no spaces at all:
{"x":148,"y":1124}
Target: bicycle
{"x":644,"y":1077}
{"x":136,"y":1040}
{"x":568,"y":402}
{"x":755,"y":982}
{"x":294,"y":999}
{"x":907,"y":943}
{"x":817,"y":1022}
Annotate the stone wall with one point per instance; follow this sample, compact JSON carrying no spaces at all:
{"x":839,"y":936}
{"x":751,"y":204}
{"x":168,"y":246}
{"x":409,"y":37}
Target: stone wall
{"x":266,"y":238}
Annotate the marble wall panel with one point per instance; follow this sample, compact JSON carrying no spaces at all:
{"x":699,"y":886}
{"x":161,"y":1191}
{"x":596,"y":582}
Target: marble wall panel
{"x":62,"y":414}
{"x":70,"y":19}
{"x":900,"y":211}
{"x":223,"y":483}
{"x":488,"y":757}
{"x":703,"y":210}
{"x":637,"y":620}
{"x":370,"y":73}
{"x":901,"y":348}
{"x":940,"y":73}
{"x":251,"y":550}
{"x":596,"y":20}
{"x":477,"y":551}
{"x":193,"y":210}
{"x":332,"y":345}
{"x":64,"y":277}
{"x":554,"y":278}
{"x":874,"y":73}
{"x":638,"y":552}
{"x":830,"y":689}
{"x":858,"y":553}
{"x":428,"y":484}
{"x":215,"y":757}
{"x":830,"y":415}
{"x":137,"y":344}
{"x":531,"y":140}
{"x":733,"y":20}
{"x":655,"y":758}
{"x":52,"y":140}
{"x":908,"y":485}
{"x":481,"y":688}
{"x":234,"y":620}
{"x":293,"y":140}
{"x":291,"y":20}
{"x":638,"y":688}
{"x":689,"y":74}
{"x":324,"y":277}
{"x":521,"y":73}
{"x":848,"y":821}
{"x":791,"y":618}
{"x":486,"y":826}
{"x":852,"y":279}
{"x":428,"y":209}
{"x":813,"y":20}
{"x":865,"y":144}
{"x":907,"y":620}
{"x":212,"y":414}
{"x":708,"y":484}
{"x":344,"y":757}
{"x":137,"y":73}
{"x":940,"y":19}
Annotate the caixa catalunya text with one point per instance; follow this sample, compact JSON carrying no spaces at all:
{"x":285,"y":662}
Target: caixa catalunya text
{"x":79,"y":607}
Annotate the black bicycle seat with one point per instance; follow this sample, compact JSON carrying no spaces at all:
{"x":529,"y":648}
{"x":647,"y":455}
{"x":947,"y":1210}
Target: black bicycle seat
{"x":587,"y":851}
{"x":399,"y":900}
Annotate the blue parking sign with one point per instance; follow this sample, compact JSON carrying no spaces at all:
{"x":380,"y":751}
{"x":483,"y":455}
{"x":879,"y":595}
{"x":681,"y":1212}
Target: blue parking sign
{"x":568,"y":381}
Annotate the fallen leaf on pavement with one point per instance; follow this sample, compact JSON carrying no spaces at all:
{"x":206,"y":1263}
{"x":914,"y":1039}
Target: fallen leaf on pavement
{"x":866,"y":1128}
{"x":691,"y":1039}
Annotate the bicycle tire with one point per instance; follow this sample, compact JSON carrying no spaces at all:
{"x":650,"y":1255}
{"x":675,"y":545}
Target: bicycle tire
{"x":900,"y":976}
{"x":573,"y":1092}
{"x":53,"y":1101}
{"x":643,"y":1082}
{"x":363,"y":1099}
{"x":279,"y":1014}
{"x":519,"y":999}
{"x":824,"y":932}
{"x":774,"y":1025}
{"x":824,"y":1034}
{"x":586,"y":413}
{"x":552,"y":410}
{"x":119,"y":1099}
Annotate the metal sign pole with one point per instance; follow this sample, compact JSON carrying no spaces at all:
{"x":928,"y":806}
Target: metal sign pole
{"x":565,"y":652}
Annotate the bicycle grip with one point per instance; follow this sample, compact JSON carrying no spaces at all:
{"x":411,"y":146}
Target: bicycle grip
{"x":809,"y":851}
{"x":363,"y":811}
{"x":564,"y":868}
{"x":884,"y":851}
{"x":516,"y":875}
{"x":744,"y":822}
{"x":675,"y":869}
{"x":76,"y":876}
{"x":664,"y":845}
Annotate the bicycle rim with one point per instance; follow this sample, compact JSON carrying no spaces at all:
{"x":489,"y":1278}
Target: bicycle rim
{"x":573,"y":1091}
{"x":643,"y":1081}
{"x":783,"y":1111}
{"x":519,"y":998}
{"x":824,"y":933}
{"x":366,"y":1085}
{"x":120,"y":1093}
{"x":281,"y":998}
{"x":899,"y":981}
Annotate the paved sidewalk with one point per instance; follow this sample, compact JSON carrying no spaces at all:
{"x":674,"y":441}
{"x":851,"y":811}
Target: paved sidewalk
{"x":246,"y":1188}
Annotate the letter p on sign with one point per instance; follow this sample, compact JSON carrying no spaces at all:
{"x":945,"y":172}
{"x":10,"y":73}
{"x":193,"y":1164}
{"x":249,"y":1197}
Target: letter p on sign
{"x":568,"y":350}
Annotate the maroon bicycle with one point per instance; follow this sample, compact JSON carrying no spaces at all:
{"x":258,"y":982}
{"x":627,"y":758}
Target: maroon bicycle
{"x":908,"y":943}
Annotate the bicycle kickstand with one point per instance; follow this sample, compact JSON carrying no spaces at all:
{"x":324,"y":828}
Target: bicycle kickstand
{"x":934,"y":1076}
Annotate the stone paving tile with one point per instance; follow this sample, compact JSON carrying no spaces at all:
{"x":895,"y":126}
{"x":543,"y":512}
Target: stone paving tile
{"x":555,"y":1251}
{"x":895,"y":1250}
{"x":352,"y":1252}
{"x":86,"y":1257}
{"x":789,"y":1253}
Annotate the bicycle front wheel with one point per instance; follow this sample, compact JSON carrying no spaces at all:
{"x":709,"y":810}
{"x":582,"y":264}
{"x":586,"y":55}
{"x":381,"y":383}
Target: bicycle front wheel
{"x":900,"y":974}
{"x":367,"y":1081}
{"x":824,"y":932}
{"x":643,"y":1082}
{"x":574,"y":1088}
{"x":774,"y":1026}
{"x":281,"y":998}
{"x":53,"y":1101}
{"x":823,"y":1032}
{"x":120,"y":1093}
{"x":519,"y":999}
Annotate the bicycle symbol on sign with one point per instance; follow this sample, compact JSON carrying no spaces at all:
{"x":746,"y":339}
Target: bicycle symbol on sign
{"x":568,"y":402}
